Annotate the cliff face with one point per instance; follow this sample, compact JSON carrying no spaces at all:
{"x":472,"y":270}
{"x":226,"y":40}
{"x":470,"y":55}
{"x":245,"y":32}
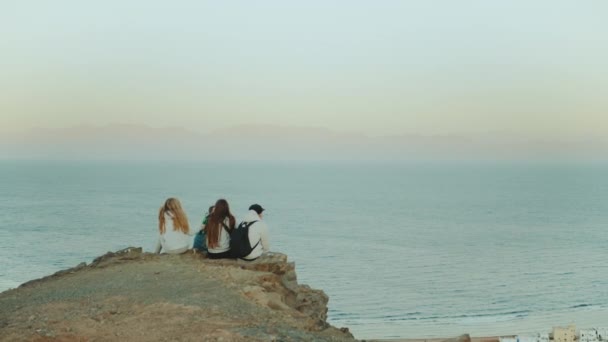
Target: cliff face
{"x":135,"y":296}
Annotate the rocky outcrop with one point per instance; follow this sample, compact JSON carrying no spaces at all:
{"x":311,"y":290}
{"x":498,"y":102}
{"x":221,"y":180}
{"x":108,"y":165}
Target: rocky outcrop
{"x":136,"y":296}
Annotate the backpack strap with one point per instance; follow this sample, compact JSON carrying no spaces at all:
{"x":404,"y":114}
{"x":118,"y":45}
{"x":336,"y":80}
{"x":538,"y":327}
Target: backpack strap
{"x":228,"y":230}
{"x":252,"y":248}
{"x":249,"y":224}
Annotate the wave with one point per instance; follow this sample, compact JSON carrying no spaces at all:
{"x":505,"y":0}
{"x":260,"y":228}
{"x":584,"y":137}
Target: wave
{"x":578,"y":306}
{"x":498,"y":317}
{"x":461,"y":319}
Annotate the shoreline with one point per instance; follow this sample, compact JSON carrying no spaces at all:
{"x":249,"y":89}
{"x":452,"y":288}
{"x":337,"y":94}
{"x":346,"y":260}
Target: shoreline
{"x":434,"y":339}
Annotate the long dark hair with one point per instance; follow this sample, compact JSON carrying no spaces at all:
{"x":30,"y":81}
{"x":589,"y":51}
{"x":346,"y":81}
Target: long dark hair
{"x":216,"y":222}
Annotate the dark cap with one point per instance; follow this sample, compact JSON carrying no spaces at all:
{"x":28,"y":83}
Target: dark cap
{"x":258,"y":208}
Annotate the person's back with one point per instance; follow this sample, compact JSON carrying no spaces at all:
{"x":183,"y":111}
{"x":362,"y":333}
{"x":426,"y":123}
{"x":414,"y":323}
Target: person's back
{"x":218,"y":229}
{"x":175,"y":236}
{"x":223,"y":242}
{"x":258,"y":232}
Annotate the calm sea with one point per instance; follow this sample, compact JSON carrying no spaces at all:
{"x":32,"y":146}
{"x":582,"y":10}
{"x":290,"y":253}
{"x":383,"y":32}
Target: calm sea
{"x":402,"y":250}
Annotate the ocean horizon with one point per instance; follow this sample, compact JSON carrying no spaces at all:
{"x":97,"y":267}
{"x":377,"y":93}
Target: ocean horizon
{"x":403,"y":249}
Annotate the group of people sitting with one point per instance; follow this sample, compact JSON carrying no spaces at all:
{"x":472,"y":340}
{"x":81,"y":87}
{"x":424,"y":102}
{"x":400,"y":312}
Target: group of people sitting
{"x":218,"y":235}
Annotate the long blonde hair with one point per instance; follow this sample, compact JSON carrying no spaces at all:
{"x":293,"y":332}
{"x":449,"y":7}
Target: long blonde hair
{"x":180,"y":220}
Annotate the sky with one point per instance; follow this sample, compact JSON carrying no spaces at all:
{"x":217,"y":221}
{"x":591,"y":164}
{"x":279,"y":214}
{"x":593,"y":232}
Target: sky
{"x":528,"y":69}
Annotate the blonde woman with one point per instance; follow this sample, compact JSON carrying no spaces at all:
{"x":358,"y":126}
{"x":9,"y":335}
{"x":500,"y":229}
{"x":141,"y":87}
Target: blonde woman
{"x":175,"y":236}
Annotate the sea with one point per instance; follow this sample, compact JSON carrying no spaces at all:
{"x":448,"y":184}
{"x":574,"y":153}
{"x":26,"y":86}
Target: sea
{"x":404,"y":250}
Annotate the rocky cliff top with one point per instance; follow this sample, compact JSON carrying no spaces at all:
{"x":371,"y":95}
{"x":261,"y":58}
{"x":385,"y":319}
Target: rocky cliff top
{"x":135,"y":296}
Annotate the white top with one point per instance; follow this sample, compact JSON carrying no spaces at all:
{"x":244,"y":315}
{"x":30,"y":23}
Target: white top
{"x":224,"y":241}
{"x":173,"y":241}
{"x":258,"y":232}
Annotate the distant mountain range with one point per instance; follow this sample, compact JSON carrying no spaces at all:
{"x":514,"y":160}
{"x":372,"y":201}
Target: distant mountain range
{"x":267,"y":142}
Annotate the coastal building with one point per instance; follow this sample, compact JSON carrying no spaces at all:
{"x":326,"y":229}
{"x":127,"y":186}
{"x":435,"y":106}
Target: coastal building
{"x":508,"y":339}
{"x":562,"y":334}
{"x":540,"y":337}
{"x":567,"y":334}
{"x":588,"y":335}
{"x":521,"y":338}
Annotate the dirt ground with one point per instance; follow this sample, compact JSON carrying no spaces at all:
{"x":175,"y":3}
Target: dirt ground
{"x":146,"y":297}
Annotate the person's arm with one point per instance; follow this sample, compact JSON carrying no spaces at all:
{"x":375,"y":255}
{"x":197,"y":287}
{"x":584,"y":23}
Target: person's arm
{"x":264,"y":238}
{"x":158,"y":246}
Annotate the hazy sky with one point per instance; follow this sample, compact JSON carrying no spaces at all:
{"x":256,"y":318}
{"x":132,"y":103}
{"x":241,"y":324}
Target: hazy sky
{"x":535,"y":69}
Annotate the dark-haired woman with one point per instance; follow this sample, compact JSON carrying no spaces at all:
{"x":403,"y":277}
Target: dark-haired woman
{"x":218,"y":228}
